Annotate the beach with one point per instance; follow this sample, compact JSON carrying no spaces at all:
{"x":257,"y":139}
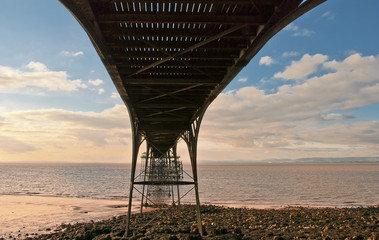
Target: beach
{"x":179,"y":222}
{"x":83,"y":193}
{"x":39,"y":217}
{"x":22,"y":216}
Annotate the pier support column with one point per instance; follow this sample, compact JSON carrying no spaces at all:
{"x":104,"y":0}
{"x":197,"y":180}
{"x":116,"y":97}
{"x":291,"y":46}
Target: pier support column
{"x":176,"y":171}
{"x":137,"y":141}
{"x":148,"y":152}
{"x":191,"y":137}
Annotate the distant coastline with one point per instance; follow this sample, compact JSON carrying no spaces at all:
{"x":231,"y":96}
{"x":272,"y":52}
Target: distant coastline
{"x":299,"y":160}
{"x":327,"y":160}
{"x":273,"y":160}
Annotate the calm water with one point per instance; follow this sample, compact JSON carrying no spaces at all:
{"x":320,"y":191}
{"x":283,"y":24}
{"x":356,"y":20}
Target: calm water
{"x":316,"y":184}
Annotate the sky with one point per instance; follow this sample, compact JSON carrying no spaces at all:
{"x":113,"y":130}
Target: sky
{"x":312,"y":91}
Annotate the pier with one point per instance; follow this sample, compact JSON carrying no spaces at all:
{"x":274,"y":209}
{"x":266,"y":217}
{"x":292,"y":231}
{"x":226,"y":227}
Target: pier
{"x":169,"y":59}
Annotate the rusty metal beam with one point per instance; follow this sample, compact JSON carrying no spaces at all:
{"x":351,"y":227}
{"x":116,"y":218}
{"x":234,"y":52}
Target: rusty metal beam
{"x":121,"y":32}
{"x":187,"y":18}
{"x":171,"y":94}
{"x":170,"y":81}
{"x":217,"y":73}
{"x":170,"y":112}
{"x":179,"y":45}
{"x":164,"y":128}
{"x":172,"y":64}
{"x":202,"y":55}
{"x":170,"y":119}
{"x":166,"y":105}
{"x":197,"y":45}
{"x":166,"y":182}
{"x":259,"y":2}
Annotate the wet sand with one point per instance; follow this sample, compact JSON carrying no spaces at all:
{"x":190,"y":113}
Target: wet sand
{"x":23,"y":214}
{"x":233,"y":223}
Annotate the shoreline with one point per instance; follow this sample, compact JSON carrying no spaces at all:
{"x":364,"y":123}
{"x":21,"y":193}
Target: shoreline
{"x":22,"y":215}
{"x":25,"y":216}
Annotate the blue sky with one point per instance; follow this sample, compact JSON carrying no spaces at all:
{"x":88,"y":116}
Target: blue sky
{"x":312,"y":91}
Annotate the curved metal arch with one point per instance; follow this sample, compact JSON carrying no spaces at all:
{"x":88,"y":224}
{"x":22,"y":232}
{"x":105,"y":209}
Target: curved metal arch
{"x":266,"y":33}
{"x":86,"y":11}
{"x":88,"y":22}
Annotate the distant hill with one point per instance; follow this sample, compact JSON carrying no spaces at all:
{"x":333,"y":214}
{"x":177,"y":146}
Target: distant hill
{"x":299,"y":160}
{"x":321,"y":160}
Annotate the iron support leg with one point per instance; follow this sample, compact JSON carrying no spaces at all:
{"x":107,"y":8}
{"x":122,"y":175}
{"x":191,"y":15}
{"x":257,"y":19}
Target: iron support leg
{"x":136,"y":144}
{"x":145,"y":173}
{"x":129,"y":207}
{"x":191,"y":137}
{"x":192,"y":147}
{"x":198,"y":215}
{"x":177,"y":172}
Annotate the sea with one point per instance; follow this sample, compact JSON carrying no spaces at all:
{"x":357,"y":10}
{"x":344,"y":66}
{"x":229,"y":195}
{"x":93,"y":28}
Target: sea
{"x":243,"y":185}
{"x":37,"y":197}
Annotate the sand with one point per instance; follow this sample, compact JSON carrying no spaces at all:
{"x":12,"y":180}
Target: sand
{"x":23,"y":214}
{"x":233,"y":223}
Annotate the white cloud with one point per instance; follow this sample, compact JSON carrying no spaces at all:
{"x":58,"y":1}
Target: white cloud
{"x":293,"y":118}
{"x":242,"y":79}
{"x":37,"y":66}
{"x":100,"y":91}
{"x":115,"y":95}
{"x":297,"y":31}
{"x":59,"y":135}
{"x":306,"y":66}
{"x":266,"y":60}
{"x":95,"y":82}
{"x":37,"y":76}
{"x":72,"y":54}
{"x":335,"y":116}
{"x":329,"y":15}
{"x":11,"y":145}
{"x":290,"y":54}
{"x":78,"y":54}
{"x":305,"y":119}
{"x":291,"y":27}
{"x":57,"y":125}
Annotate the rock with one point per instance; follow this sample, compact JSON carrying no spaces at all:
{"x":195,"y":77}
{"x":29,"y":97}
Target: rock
{"x":358,"y":237}
{"x":232,"y":223}
{"x":184,"y":229}
{"x":169,"y":237}
{"x":194,"y":229}
{"x":194,"y":236}
{"x":103,"y":237}
{"x":120,"y":233}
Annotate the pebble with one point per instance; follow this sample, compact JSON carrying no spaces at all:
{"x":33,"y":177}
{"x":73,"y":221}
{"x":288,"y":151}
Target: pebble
{"x":233,"y":223}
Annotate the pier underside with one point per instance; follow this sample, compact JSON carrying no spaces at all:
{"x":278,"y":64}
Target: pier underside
{"x":169,"y":59}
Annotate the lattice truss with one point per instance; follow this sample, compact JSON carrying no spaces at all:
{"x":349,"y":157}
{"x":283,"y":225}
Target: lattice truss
{"x":161,"y":177}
